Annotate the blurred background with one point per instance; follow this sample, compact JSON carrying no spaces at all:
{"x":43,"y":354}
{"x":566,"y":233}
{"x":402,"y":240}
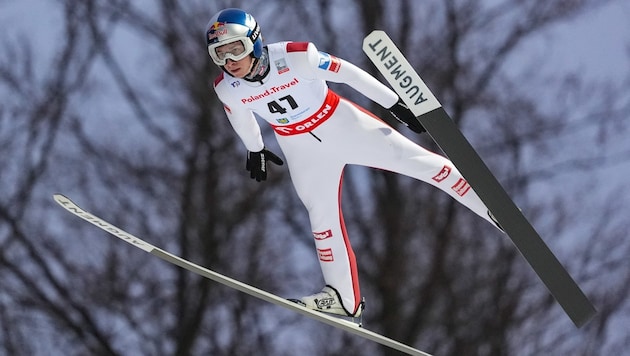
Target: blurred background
{"x":111,"y":103}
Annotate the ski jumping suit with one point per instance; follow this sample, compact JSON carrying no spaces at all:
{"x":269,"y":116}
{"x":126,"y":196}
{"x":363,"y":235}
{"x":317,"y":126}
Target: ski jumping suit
{"x":319,"y":133}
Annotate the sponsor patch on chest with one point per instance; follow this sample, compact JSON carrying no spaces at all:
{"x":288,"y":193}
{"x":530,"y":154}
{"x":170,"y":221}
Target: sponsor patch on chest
{"x":281,"y":65}
{"x":270,"y":91}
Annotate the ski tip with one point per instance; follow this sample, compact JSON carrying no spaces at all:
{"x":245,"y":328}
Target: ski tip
{"x":60,"y":198}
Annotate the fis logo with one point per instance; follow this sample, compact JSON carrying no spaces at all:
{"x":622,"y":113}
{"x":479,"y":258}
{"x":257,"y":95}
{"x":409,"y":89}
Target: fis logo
{"x":281,"y":66}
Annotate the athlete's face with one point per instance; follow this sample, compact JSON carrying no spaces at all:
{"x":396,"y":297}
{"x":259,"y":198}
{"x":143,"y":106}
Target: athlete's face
{"x":235,"y":56}
{"x":240,"y":68}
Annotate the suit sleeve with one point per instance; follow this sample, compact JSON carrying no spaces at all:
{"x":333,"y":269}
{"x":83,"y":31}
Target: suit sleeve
{"x":321,"y":65}
{"x":244,"y":123}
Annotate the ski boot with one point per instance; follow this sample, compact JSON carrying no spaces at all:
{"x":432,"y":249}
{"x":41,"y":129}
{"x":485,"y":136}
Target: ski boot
{"x":329,"y":301}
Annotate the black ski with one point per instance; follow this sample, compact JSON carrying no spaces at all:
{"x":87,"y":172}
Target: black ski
{"x":414,"y":92}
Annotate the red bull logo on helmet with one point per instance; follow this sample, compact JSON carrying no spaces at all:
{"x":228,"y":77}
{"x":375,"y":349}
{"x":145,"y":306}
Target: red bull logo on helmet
{"x":216,"y":30}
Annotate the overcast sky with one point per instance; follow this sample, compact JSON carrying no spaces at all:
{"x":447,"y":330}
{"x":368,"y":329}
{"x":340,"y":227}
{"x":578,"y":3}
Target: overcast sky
{"x":596,"y":45}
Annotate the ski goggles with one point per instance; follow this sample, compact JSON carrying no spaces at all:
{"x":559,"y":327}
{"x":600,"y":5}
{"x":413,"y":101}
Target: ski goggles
{"x":236,"y":50}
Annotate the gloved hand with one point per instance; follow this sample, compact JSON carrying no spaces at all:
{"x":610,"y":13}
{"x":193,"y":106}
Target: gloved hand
{"x":402,"y":113}
{"x":257,"y":163}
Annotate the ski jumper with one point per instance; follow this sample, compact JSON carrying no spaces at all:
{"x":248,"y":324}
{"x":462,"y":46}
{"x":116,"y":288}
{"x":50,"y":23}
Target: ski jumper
{"x":319,"y":133}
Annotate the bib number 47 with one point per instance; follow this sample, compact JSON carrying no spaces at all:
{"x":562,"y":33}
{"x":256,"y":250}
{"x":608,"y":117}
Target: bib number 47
{"x":276,"y":108}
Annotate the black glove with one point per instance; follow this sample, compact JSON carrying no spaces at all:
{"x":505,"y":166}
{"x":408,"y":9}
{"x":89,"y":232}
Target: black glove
{"x":402,"y":113}
{"x":257,"y":163}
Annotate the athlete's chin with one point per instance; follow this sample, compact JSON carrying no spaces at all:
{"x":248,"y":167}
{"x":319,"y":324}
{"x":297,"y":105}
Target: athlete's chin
{"x":239,"y":73}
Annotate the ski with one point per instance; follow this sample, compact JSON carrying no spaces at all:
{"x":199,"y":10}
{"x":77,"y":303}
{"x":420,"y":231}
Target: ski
{"x":381,"y":50}
{"x":343,"y":324}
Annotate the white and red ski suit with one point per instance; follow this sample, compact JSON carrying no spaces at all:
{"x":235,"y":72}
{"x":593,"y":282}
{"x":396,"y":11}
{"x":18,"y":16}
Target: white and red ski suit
{"x":319,"y":133}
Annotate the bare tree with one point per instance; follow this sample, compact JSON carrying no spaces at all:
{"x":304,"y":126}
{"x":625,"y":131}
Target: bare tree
{"x":466,"y":279}
{"x":124,"y":120}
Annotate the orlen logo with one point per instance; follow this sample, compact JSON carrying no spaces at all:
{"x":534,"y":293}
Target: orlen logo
{"x":444,"y":173}
{"x":322,"y":235}
{"x":313,"y":121}
{"x":306,"y":125}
